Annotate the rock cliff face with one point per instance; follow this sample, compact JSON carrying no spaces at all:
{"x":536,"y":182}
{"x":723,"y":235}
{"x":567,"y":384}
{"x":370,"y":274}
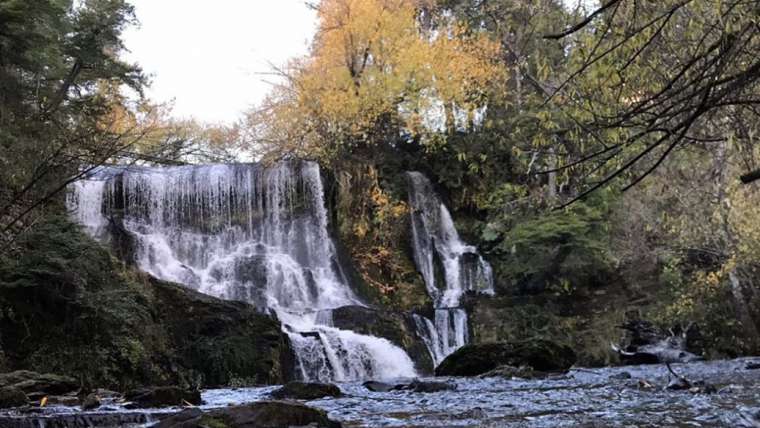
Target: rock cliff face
{"x":69,"y":307}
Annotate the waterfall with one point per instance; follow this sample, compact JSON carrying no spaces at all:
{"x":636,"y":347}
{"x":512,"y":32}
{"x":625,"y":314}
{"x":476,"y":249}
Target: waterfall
{"x":448,"y":266}
{"x":244,"y":232}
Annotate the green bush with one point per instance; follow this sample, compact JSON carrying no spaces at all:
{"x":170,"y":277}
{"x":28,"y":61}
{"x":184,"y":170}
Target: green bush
{"x":557,"y":251}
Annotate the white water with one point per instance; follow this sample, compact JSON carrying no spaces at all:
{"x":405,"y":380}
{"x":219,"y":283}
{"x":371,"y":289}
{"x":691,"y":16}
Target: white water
{"x":449,"y":267}
{"x":250,"y":233}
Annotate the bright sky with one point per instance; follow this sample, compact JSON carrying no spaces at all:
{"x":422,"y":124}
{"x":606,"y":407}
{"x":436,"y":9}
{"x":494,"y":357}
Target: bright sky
{"x":206,"y":54}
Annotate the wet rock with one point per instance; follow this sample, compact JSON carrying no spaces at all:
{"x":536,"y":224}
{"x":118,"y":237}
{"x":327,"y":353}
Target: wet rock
{"x":12,"y":397}
{"x":263,"y":414}
{"x":474,"y":360}
{"x":91,"y":401}
{"x":399,"y":328}
{"x":70,"y":400}
{"x":678,"y":384}
{"x":223,"y":340}
{"x":703,"y":388}
{"x":306,"y":391}
{"x":414,"y":386}
{"x":376,"y":386}
{"x":752,"y":366}
{"x":274,"y":414}
{"x":620,"y":376}
{"x":476,"y":413}
{"x":84,"y":420}
{"x":165,"y":396}
{"x":43,"y":384}
{"x":428,"y":386}
{"x":188,"y":418}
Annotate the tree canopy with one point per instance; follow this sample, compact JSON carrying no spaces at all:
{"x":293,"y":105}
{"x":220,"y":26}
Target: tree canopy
{"x":374,"y":75}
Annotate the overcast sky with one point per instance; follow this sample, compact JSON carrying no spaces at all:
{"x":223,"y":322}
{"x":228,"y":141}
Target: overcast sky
{"x":206,"y":54}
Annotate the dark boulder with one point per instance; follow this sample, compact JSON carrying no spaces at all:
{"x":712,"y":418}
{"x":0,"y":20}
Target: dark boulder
{"x":188,"y":418}
{"x":68,"y":400}
{"x":473,"y":360}
{"x":621,"y":376}
{"x":77,"y":420}
{"x":306,"y":391}
{"x":91,"y":401}
{"x":223,"y":340}
{"x":414,"y":386}
{"x":42,"y":384}
{"x":376,"y":386}
{"x":164,"y":396}
{"x":428,"y":386}
{"x":263,"y":414}
{"x":12,"y":397}
{"x":398,"y":328}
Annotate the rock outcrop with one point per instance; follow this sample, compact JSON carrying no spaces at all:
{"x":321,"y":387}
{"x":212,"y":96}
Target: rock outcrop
{"x":31,"y":382}
{"x":306,"y":391}
{"x":70,"y":308}
{"x":474,"y":360}
{"x":12,"y":397}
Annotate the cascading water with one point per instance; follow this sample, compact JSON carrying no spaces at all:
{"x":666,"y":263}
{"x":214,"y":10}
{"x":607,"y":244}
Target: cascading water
{"x":244,"y":232}
{"x":449,"y":267}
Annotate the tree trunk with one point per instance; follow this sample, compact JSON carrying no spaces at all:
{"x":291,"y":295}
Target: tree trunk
{"x":742,"y":309}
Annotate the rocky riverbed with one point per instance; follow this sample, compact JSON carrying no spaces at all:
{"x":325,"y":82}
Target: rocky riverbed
{"x":633,"y":396}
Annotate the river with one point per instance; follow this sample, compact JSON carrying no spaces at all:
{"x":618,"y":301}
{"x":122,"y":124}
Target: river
{"x":580,"y":398}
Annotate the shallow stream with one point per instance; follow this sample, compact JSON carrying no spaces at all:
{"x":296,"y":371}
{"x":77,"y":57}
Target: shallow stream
{"x":581,"y":398}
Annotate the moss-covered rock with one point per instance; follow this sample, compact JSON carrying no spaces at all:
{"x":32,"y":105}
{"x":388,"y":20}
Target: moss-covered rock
{"x":33,"y":382}
{"x":12,"y":397}
{"x":67,"y":306}
{"x":263,"y":414}
{"x":306,"y":391}
{"x":473,"y":360}
{"x":223,"y":341}
{"x":165,"y":396}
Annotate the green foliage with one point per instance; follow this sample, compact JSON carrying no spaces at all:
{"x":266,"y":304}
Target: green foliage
{"x":68,"y":307}
{"x":60,"y":62}
{"x":74,"y":313}
{"x":705,"y":300}
{"x":561,"y":249}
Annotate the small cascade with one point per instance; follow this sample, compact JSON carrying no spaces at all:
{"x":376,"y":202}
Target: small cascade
{"x":243,"y":232}
{"x":449,"y":267}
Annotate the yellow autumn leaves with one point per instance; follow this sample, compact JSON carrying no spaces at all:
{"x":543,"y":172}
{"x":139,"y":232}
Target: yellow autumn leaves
{"x":372,"y":63}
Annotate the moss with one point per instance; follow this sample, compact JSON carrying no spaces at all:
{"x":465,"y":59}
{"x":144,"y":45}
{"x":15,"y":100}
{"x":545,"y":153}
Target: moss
{"x":69,"y":307}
